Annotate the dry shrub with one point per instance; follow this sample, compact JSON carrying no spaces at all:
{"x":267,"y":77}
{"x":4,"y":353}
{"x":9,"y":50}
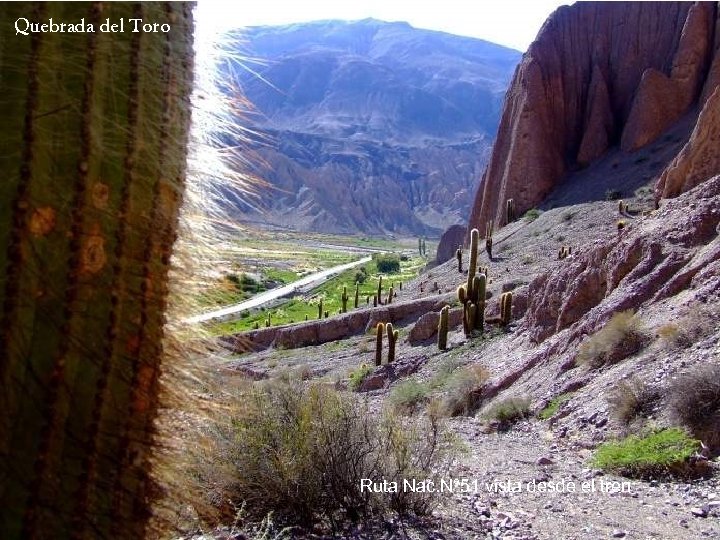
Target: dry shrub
{"x":696,"y":324}
{"x":694,"y":400}
{"x":301,"y":452}
{"x":632,"y":400}
{"x":622,"y":336}
{"x":508,"y":411}
{"x":464,"y":390}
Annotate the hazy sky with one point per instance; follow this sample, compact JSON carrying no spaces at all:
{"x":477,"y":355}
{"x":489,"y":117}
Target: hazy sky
{"x":508,"y":22}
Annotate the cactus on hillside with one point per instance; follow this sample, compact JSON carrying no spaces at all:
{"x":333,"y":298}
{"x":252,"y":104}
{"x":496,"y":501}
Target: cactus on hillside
{"x":93,"y":157}
{"x":379,"y":331}
{"x":379,"y":291}
{"x":458,"y":256}
{"x":488,"y":238}
{"x":505,"y":308}
{"x":320,"y":309}
{"x":391,"y":292}
{"x":443,"y":325}
{"x":344,"y":299}
{"x":357,"y":295}
{"x":510,"y":211}
{"x":268,"y":321}
{"x":392,"y":336}
{"x":472,"y":263}
{"x":327,"y":314}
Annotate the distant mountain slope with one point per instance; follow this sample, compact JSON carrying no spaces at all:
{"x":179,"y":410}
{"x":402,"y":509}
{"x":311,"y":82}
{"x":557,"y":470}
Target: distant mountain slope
{"x":374,"y":126}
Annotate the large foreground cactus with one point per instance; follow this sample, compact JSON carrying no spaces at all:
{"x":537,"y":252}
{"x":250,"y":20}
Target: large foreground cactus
{"x":92,"y":153}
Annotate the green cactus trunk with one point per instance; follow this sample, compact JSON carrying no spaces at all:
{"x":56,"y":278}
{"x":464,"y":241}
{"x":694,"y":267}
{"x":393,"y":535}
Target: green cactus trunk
{"x":357,"y":295}
{"x":443,"y":326}
{"x":320,"y":309}
{"x":458,"y":256}
{"x":344,"y":298}
{"x":391,"y":293}
{"x":94,"y":135}
{"x":379,"y":291}
{"x":506,"y":308}
{"x":379,"y":331}
{"x":472,"y":264}
{"x":392,"y":336}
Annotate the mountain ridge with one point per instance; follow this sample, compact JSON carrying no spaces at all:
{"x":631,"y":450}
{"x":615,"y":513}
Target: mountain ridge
{"x":353,"y":109}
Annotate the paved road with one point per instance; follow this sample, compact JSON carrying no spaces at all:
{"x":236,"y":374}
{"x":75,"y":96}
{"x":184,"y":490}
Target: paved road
{"x":305,"y":283}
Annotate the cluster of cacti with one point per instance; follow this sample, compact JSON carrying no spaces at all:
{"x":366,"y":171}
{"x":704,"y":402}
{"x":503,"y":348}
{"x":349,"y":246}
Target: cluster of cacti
{"x":344,"y":299}
{"x":472,"y":294}
{"x":320,"y":309}
{"x":268,"y":321}
{"x":510,"y":211}
{"x":327,"y":314}
{"x":505,"y":308}
{"x":379,"y":331}
{"x":564,"y":252}
{"x":443,"y":326}
{"x":256,"y":326}
{"x":458,"y":256}
{"x":488,"y":238}
{"x":93,"y":156}
{"x":357,"y":295}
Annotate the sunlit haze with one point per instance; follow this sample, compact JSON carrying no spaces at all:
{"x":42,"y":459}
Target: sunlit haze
{"x":510,"y":23}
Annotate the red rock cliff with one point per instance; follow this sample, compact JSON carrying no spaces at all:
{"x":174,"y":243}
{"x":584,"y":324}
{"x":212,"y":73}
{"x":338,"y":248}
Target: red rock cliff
{"x":599,"y":74}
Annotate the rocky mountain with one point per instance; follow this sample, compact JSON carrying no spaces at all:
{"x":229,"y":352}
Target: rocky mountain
{"x":371,"y":126}
{"x":603,"y":76}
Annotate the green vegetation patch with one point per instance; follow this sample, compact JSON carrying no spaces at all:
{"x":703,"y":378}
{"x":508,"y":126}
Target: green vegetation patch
{"x":552,"y":407}
{"x":358,"y":375}
{"x":532,"y":214}
{"x":660,"y":452}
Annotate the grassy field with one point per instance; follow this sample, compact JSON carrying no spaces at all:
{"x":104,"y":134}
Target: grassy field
{"x":330,"y":293}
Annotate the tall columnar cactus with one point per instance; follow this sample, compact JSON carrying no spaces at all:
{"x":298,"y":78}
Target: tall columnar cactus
{"x":391,"y":293}
{"x":443,"y":326}
{"x":379,"y":291}
{"x":392,"y":336}
{"x":472,"y":264}
{"x":505,"y":308}
{"x":320,"y":309}
{"x":458,"y":256}
{"x":379,"y":331}
{"x":510,"y":211}
{"x":344,"y":299}
{"x":92,"y":153}
{"x":268,"y":321}
{"x":479,"y":293}
{"x":489,"y":238}
{"x":357,"y":295}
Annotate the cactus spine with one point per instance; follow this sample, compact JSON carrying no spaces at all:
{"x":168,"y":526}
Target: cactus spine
{"x":344,"y":298}
{"x":443,"y":326}
{"x":392,"y":336}
{"x":94,"y":134}
{"x":357,"y":295}
{"x":379,"y":331}
{"x":505,"y":308}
